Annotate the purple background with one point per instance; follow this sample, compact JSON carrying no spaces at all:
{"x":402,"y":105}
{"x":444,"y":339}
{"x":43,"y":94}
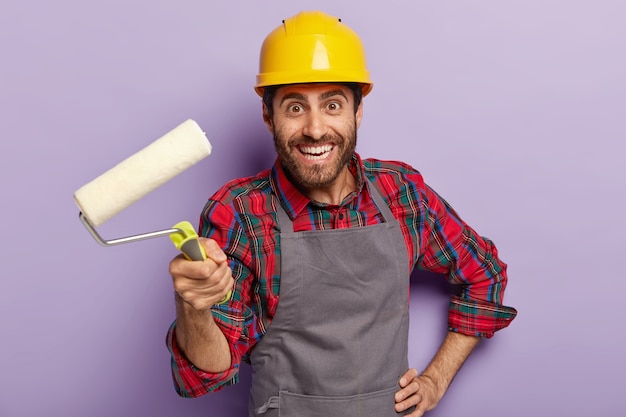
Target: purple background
{"x":514,"y":111}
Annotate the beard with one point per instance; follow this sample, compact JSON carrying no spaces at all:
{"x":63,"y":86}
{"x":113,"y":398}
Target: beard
{"x":315,"y":176}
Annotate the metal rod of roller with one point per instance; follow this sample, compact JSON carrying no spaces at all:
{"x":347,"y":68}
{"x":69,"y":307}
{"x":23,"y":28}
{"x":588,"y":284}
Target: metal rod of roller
{"x":118,"y":241}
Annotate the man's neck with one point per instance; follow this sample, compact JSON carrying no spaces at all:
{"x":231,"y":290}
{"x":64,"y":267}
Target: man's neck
{"x":336,"y":192}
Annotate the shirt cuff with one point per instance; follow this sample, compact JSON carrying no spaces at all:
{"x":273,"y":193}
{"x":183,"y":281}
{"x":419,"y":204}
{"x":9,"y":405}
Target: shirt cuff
{"x":190,"y":381}
{"x":476,"y":318}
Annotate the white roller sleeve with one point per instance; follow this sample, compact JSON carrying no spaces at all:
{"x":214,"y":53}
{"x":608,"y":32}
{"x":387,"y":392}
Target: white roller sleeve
{"x":141,"y":173}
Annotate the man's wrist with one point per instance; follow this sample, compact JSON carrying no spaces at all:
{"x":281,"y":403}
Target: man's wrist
{"x":439,"y":385}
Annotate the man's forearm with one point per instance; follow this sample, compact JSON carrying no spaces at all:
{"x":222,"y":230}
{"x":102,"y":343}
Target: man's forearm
{"x":448,"y":360}
{"x":200,"y":339}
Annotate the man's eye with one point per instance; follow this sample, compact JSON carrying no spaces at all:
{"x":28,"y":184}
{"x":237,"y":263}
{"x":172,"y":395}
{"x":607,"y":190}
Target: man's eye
{"x":333,"y":106}
{"x":294,"y":108}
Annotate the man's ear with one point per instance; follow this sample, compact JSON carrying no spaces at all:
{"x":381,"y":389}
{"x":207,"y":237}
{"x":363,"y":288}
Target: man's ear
{"x":359,"y":114}
{"x":267,"y":118}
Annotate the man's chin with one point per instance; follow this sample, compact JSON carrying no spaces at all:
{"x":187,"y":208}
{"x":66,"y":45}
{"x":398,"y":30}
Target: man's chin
{"x":314,"y":177}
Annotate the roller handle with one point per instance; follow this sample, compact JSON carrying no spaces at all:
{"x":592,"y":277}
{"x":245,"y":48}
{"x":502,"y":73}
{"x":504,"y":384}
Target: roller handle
{"x":186,"y":240}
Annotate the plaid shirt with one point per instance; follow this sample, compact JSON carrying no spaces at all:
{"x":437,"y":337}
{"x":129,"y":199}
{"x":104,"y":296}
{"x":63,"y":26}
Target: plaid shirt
{"x":241,"y":217}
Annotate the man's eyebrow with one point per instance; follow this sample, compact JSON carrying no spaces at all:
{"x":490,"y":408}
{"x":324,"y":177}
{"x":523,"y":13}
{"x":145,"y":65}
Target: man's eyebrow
{"x":331,"y":93}
{"x":289,"y":96}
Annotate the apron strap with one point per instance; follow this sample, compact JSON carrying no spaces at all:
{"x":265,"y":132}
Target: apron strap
{"x":379,"y":201}
{"x":284,"y":221}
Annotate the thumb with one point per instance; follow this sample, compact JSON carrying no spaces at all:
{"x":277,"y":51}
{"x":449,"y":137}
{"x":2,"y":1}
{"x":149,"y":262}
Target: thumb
{"x":409,"y":376}
{"x":213,"y":251}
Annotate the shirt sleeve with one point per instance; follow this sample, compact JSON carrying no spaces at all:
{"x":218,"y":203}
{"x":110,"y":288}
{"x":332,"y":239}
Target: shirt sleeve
{"x":234,"y":319}
{"x":191,"y":382}
{"x":453,"y":248}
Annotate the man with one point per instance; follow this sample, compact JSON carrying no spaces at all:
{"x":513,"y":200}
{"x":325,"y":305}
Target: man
{"x":317,"y":252}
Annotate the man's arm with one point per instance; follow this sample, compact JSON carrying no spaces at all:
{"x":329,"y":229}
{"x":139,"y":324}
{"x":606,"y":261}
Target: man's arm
{"x":200,"y":339}
{"x":449,"y":246}
{"x":199,"y":285}
{"x":425,"y":390}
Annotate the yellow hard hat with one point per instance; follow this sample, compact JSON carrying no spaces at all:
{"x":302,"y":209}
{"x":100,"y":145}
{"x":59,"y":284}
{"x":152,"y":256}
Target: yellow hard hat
{"x":312,"y":47}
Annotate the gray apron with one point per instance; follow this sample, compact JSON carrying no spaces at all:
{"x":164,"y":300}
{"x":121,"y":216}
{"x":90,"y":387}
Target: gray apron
{"x":338,"y":342}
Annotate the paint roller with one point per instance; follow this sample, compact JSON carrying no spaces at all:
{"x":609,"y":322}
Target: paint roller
{"x":140,"y":174}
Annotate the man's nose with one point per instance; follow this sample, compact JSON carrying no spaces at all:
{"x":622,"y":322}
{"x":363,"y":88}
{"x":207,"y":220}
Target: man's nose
{"x":315,"y":126}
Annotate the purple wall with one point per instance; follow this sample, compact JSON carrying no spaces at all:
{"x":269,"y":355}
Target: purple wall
{"x":514,"y":111}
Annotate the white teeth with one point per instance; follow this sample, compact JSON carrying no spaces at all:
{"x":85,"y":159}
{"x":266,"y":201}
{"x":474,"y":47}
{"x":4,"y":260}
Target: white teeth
{"x":315,"y":153}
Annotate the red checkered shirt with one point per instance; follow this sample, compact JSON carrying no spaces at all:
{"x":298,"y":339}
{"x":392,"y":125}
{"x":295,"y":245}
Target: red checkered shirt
{"x":241,"y":217}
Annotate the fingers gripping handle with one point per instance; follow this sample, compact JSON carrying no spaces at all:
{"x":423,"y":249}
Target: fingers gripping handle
{"x":187,"y":241}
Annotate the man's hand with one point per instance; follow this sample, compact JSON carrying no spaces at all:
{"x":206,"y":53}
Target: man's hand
{"x":426,"y":389}
{"x":202,"y":284}
{"x":416,"y":390}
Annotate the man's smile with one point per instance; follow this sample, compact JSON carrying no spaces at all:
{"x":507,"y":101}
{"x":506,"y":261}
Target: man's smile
{"x":316,"y":153}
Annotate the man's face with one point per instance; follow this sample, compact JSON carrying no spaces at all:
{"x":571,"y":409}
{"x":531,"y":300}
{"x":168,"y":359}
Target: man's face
{"x":314,"y":128}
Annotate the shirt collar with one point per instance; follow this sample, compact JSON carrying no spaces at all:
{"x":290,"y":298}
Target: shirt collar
{"x":292,"y":200}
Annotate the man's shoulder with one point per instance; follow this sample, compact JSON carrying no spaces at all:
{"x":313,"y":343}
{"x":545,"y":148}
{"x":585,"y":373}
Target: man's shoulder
{"x":377,"y":167}
{"x":244,"y":187}
{"x":394,"y":179}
